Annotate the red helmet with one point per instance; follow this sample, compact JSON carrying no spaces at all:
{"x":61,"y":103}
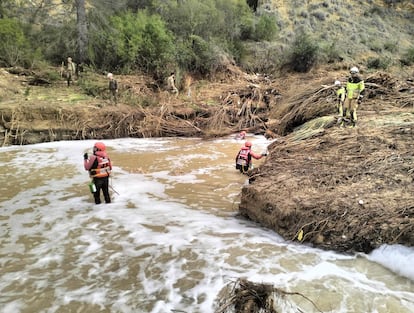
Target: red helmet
{"x":248,"y":144}
{"x":99,"y":146}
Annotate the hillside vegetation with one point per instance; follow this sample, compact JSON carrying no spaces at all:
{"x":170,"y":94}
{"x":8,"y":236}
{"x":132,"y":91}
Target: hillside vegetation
{"x":202,"y":38}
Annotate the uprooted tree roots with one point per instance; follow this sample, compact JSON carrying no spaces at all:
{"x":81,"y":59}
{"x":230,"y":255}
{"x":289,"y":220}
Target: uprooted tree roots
{"x":243,"y":296}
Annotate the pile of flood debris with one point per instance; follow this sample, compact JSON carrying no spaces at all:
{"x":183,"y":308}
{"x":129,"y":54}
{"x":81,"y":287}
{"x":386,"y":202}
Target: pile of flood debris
{"x":344,"y":189}
{"x":244,"y":296}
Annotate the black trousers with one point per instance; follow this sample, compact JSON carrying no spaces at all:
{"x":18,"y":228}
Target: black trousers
{"x":101,"y":183}
{"x":242,"y":168}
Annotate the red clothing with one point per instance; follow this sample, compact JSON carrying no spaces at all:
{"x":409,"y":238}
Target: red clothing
{"x":244,"y":159}
{"x":255,"y":155}
{"x":99,"y":164}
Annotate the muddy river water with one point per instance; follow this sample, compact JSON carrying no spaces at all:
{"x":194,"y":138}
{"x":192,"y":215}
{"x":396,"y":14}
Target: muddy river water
{"x":170,"y":241}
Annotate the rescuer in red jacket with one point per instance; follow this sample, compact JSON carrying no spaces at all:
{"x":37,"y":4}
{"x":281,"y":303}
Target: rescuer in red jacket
{"x":99,"y":166}
{"x":244,"y":157}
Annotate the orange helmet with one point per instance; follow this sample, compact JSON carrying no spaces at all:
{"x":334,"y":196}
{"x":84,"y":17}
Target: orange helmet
{"x":99,"y":146}
{"x":248,"y":144}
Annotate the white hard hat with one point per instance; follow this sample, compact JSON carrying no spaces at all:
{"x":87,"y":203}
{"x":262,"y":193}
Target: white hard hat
{"x":354,"y":70}
{"x":110,"y":75}
{"x":337,"y":83}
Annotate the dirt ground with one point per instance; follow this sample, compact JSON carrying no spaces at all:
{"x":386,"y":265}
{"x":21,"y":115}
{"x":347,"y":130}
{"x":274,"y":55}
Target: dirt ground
{"x":335,"y":188}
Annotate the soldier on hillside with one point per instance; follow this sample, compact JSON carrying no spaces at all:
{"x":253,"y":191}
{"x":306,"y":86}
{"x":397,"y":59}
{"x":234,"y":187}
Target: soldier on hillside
{"x":69,"y":70}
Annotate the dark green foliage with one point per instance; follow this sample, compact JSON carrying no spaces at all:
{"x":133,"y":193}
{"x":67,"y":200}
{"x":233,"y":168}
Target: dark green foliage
{"x":4,"y":8}
{"x":221,"y":24}
{"x":393,"y":2}
{"x":201,"y":36}
{"x":196,"y":55}
{"x":14,"y":46}
{"x":266,"y":28}
{"x":134,"y":41}
{"x":303,"y":54}
{"x":378,"y":63}
{"x":57,"y":43}
{"x":331,"y":53}
{"x":408,"y":57}
{"x":391,"y":46}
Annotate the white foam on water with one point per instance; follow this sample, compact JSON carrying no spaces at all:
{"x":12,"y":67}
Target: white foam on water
{"x":398,"y":258}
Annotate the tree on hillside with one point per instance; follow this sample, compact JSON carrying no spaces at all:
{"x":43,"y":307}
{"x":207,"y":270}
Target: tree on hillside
{"x":82,"y":30}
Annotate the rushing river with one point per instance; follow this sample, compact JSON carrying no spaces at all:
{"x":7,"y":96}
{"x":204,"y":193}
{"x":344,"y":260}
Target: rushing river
{"x":170,"y":240}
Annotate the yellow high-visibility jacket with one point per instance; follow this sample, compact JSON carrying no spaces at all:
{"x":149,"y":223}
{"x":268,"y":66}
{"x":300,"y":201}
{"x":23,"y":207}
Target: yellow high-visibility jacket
{"x":341,"y":94}
{"x":354,"y":87}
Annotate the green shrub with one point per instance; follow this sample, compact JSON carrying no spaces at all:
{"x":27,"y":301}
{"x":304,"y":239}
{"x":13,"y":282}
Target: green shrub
{"x":14,"y":45}
{"x":136,"y":41}
{"x":331,"y":53}
{"x":197,"y":55}
{"x":408,"y":57}
{"x":391,"y":46}
{"x":56,"y":42}
{"x":208,"y":30}
{"x":266,"y":28}
{"x":378,"y":63}
{"x":304,"y":53}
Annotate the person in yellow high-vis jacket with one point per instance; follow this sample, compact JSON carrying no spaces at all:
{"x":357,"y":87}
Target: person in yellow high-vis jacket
{"x":354,"y":87}
{"x":340,"y":98}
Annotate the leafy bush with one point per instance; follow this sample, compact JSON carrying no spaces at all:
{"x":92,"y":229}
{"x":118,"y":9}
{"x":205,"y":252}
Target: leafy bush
{"x":378,"y":63}
{"x":266,"y":28}
{"x":57,"y":42}
{"x":14,"y":45}
{"x":135,"y":41}
{"x":207,"y":30}
{"x":408,"y":57}
{"x":331,"y":53}
{"x":197,"y":55}
{"x":391,"y":46}
{"x":303,"y":54}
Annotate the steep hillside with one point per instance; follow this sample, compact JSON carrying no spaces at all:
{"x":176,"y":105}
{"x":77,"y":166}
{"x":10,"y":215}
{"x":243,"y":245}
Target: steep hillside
{"x":355,"y":29}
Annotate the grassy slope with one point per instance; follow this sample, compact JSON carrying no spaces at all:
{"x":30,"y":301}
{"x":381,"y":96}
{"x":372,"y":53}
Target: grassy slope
{"x":359,"y":29}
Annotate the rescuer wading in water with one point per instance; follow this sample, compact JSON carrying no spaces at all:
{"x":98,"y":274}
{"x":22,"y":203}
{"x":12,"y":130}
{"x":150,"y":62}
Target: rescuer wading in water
{"x":99,"y":166}
{"x":244,"y":157}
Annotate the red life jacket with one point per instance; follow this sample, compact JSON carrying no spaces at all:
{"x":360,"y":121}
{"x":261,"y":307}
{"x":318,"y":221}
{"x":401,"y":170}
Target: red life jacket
{"x":244,"y":158}
{"x":101,"y":167}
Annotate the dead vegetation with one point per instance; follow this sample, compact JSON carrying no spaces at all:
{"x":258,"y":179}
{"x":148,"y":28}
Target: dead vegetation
{"x":144,"y":109}
{"x":339,"y":188}
{"x":244,"y":296}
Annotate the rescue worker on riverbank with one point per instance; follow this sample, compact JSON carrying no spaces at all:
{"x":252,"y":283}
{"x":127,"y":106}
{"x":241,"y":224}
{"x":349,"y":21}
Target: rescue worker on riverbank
{"x":70,"y":70}
{"x":340,"y":98}
{"x":171,"y":84}
{"x":244,"y":157}
{"x":113,"y":88}
{"x":354,"y":88}
{"x":99,"y":166}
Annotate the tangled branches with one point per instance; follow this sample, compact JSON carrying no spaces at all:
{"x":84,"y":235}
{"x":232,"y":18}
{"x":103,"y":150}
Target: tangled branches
{"x":244,"y":296}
